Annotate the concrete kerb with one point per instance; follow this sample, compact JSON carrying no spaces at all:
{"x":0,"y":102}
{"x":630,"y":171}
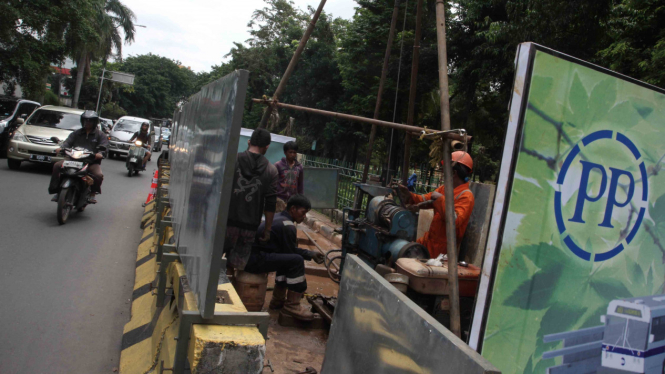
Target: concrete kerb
{"x":149,"y":344}
{"x":324,"y":228}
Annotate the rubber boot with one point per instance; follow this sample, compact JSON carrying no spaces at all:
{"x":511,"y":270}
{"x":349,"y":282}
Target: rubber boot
{"x":293,"y":308}
{"x":278,"y":296}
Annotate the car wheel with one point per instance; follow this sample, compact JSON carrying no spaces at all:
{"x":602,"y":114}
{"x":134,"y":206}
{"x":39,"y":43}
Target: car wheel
{"x":13,"y":164}
{"x":130,"y":170}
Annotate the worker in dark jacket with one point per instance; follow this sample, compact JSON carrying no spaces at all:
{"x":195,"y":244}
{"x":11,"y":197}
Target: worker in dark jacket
{"x":94,"y":140}
{"x":282,"y":255}
{"x":254,"y":194}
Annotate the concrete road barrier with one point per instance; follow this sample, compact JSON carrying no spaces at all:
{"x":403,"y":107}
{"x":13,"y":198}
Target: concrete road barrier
{"x":149,"y":338}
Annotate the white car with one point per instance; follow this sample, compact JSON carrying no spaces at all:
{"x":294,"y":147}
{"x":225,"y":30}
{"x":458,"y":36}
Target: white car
{"x":123,"y":130}
{"x":32,"y":140}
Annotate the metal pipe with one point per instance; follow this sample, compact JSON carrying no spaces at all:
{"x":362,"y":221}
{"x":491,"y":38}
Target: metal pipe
{"x":350,"y":117}
{"x":384,"y":72}
{"x":447,"y":170}
{"x":319,"y":248}
{"x":101,"y":84}
{"x":292,"y":64}
{"x":412,"y":90}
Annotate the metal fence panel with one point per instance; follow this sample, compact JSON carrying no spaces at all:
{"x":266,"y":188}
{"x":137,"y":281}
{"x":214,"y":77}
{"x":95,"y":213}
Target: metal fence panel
{"x":377,"y":329}
{"x":320,"y":187}
{"x":202,"y":170}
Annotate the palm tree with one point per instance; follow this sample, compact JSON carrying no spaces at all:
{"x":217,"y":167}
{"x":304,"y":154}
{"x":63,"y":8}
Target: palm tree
{"x":111,"y":16}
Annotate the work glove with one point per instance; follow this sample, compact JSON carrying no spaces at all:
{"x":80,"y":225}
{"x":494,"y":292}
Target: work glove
{"x":318,"y":257}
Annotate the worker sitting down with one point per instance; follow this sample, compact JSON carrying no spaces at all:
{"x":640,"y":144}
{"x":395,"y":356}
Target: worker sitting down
{"x":435,"y":239}
{"x":282,"y":255}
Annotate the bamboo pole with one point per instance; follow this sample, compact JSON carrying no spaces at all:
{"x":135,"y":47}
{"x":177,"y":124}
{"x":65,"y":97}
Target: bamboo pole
{"x":412,"y":90}
{"x":292,"y":64}
{"x":453,"y":283}
{"x":352,"y":118}
{"x":384,"y":72}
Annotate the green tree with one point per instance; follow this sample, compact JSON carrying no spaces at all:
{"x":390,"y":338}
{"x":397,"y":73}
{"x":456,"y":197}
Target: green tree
{"x":637,"y":34}
{"x":109,"y":17}
{"x":34,"y":35}
{"x":159,"y":84}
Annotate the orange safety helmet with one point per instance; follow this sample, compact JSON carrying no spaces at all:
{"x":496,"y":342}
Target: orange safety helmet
{"x":463,"y":158}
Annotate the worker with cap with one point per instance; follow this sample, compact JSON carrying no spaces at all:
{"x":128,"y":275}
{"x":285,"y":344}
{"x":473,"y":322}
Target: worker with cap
{"x":435,"y":240}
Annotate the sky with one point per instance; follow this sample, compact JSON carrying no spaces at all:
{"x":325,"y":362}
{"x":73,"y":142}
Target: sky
{"x":199,"y":33}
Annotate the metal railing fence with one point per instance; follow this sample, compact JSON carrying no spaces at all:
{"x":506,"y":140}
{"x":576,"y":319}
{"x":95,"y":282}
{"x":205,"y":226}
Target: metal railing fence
{"x":427,"y":179}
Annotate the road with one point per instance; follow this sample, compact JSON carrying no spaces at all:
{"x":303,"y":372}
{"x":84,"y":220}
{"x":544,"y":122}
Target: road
{"x":66,"y":290}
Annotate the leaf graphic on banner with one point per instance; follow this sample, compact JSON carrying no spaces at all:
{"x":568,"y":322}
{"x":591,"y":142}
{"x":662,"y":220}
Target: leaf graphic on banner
{"x":657,"y":210}
{"x":624,"y":115}
{"x":603,"y":96}
{"x":540,"y":90}
{"x":578,"y":100}
{"x":643,"y":107}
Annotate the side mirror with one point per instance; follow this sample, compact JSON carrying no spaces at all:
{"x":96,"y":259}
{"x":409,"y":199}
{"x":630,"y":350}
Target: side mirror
{"x":602,"y":319}
{"x":652,"y":337}
{"x":24,"y":116}
{"x":20,"y":121}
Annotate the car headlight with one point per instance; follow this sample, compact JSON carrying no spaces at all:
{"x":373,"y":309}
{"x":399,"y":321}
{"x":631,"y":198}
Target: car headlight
{"x":19,"y":137}
{"x":114,"y":138}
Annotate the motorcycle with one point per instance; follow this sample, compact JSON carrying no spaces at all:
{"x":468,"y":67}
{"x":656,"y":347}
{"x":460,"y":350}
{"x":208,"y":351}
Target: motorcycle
{"x":135,"y":157}
{"x":75,"y":182}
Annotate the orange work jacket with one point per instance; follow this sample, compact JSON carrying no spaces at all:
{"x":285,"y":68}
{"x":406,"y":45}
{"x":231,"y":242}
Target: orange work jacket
{"x":435,"y":240}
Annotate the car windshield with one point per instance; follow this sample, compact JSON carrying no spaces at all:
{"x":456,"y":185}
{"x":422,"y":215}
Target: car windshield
{"x":127,"y":126}
{"x":7,"y":108}
{"x":627,"y":333}
{"x":55,"y":119}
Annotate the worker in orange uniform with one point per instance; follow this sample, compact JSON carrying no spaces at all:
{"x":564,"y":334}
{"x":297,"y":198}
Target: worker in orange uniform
{"x":435,"y":239}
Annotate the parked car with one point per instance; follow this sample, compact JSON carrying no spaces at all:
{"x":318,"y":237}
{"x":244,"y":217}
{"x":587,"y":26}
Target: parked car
{"x":106,"y":125}
{"x":11,"y":109}
{"x":122,"y":131}
{"x":166,"y":135}
{"x":31,"y":141}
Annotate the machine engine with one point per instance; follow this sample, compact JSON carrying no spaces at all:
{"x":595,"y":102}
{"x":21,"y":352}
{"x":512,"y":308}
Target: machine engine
{"x":386,"y":233}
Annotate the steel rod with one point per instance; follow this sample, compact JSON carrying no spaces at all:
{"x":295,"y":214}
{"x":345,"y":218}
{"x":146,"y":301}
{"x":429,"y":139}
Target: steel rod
{"x":412,"y":90}
{"x":453,"y":283}
{"x":350,"y":117}
{"x":292,"y":64}
{"x":99,"y":96}
{"x":379,"y":95}
{"x":319,"y":248}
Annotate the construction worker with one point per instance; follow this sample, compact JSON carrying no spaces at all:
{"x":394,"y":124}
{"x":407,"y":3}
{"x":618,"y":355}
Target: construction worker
{"x":282,"y":255}
{"x":435,"y":239}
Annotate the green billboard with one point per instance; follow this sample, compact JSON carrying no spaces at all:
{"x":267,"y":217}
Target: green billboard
{"x":577,"y":240}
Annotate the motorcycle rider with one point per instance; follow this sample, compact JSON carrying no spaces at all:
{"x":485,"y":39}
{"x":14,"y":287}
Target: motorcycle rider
{"x":144,"y":136}
{"x":92,"y":139}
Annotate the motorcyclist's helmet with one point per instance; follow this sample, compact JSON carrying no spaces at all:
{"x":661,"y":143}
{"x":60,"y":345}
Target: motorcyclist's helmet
{"x":89,"y":114}
{"x":147,"y":125}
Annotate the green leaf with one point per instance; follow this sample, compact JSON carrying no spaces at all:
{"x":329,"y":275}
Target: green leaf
{"x":578,"y":100}
{"x":643,"y":107}
{"x":602,"y":98}
{"x":657,"y":210}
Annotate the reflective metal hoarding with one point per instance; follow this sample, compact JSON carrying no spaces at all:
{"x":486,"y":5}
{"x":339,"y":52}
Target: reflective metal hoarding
{"x":377,"y":329}
{"x":202,"y":164}
{"x":320,"y":187}
{"x":574,"y":269}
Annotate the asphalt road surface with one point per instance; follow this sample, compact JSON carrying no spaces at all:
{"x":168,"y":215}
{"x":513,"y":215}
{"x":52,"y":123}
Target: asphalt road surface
{"x":65,"y":290}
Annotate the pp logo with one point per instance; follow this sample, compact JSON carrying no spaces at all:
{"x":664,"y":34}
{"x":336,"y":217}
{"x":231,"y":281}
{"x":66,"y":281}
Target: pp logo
{"x":612,"y":180}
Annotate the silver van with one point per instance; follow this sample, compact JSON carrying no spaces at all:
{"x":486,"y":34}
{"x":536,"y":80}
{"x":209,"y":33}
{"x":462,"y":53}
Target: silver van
{"x":122,"y":131}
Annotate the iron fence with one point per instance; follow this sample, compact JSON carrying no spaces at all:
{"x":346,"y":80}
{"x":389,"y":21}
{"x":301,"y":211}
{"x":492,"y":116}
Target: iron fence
{"x":350,"y":173}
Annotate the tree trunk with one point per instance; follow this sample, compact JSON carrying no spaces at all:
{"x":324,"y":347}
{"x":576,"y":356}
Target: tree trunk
{"x":80,"y":70}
